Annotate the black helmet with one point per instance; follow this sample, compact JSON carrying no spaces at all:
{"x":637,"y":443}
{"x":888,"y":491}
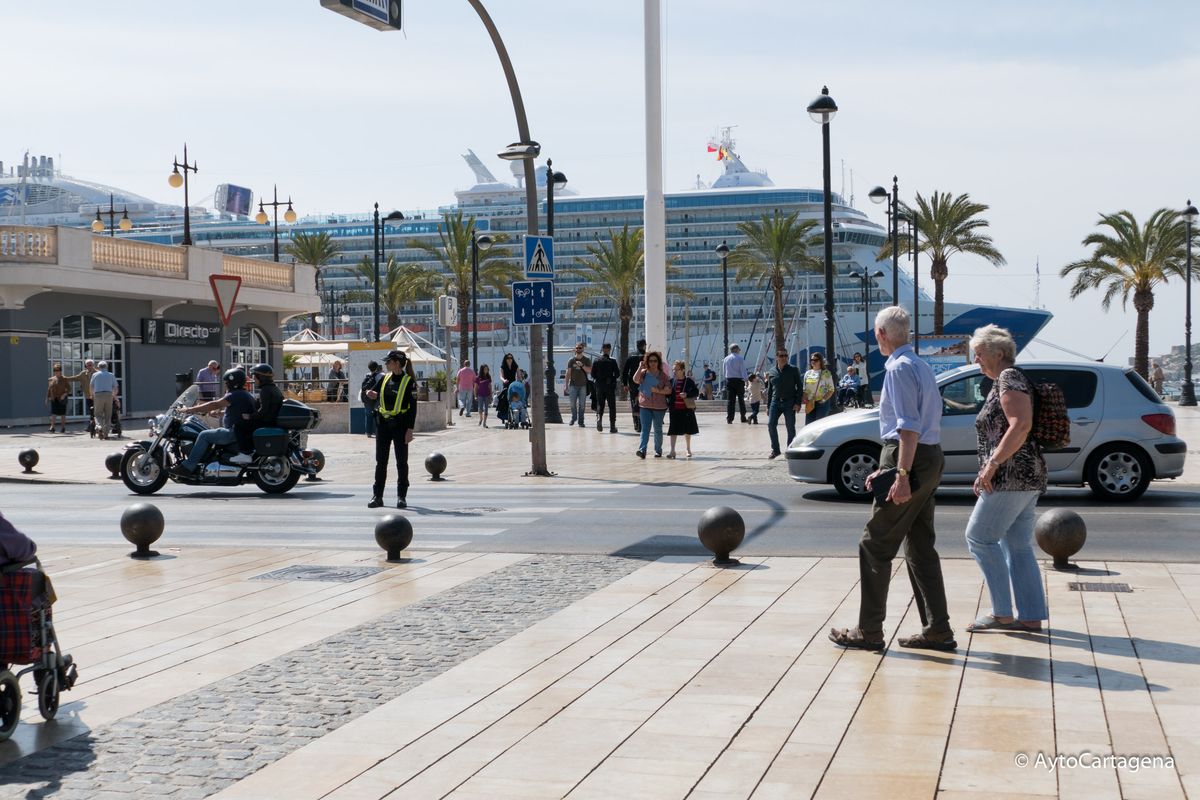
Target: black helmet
{"x":235,"y":379}
{"x":262,"y":371}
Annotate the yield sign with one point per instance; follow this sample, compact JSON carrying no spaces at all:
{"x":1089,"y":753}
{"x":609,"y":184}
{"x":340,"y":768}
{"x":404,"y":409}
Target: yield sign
{"x":225,"y":292}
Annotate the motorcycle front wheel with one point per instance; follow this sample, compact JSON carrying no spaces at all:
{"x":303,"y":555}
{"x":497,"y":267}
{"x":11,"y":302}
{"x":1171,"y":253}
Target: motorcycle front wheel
{"x":275,"y":475}
{"x":143,"y":472}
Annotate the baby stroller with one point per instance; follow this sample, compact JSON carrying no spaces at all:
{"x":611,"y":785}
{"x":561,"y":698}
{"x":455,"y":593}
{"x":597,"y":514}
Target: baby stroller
{"x":27,"y":637}
{"x":516,"y":413}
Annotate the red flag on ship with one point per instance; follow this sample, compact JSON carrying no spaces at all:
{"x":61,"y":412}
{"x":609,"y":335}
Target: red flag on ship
{"x":722,"y":154}
{"x":712,"y":148}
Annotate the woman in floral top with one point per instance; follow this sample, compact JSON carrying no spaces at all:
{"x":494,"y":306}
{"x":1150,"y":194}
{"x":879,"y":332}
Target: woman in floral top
{"x":818,"y":389}
{"x":1012,"y":475}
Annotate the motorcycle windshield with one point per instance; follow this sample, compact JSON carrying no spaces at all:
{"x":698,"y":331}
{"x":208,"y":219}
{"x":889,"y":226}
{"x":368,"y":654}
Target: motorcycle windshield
{"x":188,"y":398}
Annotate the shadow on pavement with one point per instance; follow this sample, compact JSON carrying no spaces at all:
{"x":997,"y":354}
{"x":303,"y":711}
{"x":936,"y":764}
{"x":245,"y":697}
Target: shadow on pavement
{"x":41,"y":774}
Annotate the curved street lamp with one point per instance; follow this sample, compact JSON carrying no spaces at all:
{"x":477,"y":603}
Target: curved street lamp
{"x":822,"y":110}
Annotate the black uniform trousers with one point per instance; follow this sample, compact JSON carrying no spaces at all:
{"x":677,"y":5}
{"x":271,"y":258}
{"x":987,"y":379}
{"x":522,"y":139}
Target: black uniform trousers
{"x":910,"y":524}
{"x":603,"y":395}
{"x":389,"y":439}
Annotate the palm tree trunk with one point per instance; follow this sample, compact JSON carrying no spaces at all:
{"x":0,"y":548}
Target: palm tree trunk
{"x":939,"y":273}
{"x":777,"y":291}
{"x":626,"y":315}
{"x":1143,"y":302}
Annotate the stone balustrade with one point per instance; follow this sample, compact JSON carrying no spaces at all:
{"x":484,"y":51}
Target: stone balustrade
{"x":119,"y":255}
{"x":28,"y":243}
{"x":259,"y":274}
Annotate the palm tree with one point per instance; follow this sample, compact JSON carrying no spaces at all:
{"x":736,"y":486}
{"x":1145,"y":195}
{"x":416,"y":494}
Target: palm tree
{"x":1132,"y":260}
{"x":496,"y":269}
{"x":318,"y":249}
{"x":775,"y":250}
{"x":950,"y":225}
{"x":615,"y":271}
{"x":400,"y":285}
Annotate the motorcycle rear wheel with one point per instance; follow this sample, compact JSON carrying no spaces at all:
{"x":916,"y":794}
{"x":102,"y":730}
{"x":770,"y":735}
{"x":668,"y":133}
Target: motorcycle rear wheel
{"x":276,"y":475}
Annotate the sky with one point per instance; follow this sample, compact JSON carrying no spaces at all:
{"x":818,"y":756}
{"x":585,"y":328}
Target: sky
{"x":1049,"y":113}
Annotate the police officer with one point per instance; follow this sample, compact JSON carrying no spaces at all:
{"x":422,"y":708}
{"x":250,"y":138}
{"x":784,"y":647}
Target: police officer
{"x":396,"y":393}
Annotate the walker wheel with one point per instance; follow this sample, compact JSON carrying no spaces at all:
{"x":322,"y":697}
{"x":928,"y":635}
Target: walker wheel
{"x":48,"y":694}
{"x":10,"y":704}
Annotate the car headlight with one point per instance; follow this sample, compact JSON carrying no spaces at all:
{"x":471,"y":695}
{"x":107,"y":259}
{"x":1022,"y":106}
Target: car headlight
{"x":806,"y":437}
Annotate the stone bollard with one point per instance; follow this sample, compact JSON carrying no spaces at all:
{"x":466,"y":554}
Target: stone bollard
{"x":1061,"y":533}
{"x":394,"y":533}
{"x":28,"y":459}
{"x":436,"y":464}
{"x":721,"y":530}
{"x":142,"y":524}
{"x":318,"y":458}
{"x":112,"y":463}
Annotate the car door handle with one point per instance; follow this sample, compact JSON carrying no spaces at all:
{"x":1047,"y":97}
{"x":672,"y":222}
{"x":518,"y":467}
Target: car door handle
{"x":1083,"y":421}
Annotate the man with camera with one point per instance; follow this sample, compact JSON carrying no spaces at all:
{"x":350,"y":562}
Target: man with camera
{"x":579,"y":367}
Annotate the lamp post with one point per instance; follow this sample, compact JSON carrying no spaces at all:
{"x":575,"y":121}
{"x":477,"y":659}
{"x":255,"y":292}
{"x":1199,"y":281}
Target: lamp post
{"x":380,"y":253}
{"x":867,"y":279}
{"x":554,"y":180}
{"x":176,"y":180}
{"x":878,"y":195}
{"x":822,"y":111}
{"x":723,"y":252}
{"x":1187,"y":391}
{"x":289,"y":216}
{"x":125,"y":224}
{"x":912,"y":239}
{"x":479,"y":242}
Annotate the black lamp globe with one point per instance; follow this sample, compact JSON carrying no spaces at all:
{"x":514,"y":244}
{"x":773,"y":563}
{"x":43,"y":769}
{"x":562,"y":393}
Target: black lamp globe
{"x":823,"y":109}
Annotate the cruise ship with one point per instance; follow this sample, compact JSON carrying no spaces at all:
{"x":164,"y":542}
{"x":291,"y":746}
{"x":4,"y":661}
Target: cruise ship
{"x":698,"y":220}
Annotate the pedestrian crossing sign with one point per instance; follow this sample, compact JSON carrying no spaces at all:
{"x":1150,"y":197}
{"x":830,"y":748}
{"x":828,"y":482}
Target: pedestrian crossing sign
{"x":539,"y":257}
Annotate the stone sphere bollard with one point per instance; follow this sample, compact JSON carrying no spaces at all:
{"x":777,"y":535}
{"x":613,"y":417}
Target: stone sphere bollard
{"x":721,"y":530}
{"x":28,"y":459}
{"x":318,"y":460}
{"x":112,"y":463}
{"x":436,"y":464}
{"x":142,"y":524}
{"x":393,"y":533}
{"x":1061,"y":533}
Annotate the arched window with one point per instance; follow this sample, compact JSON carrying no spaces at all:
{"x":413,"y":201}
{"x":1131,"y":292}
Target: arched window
{"x":78,"y":337}
{"x":248,"y":346}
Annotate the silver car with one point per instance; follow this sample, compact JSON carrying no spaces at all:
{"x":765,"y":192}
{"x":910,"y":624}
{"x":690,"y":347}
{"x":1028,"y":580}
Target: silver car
{"x":1122,"y":434}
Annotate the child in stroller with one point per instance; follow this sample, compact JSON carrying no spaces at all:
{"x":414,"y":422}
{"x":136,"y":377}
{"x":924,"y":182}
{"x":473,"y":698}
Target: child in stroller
{"x":516,"y":409}
{"x":27,"y":632}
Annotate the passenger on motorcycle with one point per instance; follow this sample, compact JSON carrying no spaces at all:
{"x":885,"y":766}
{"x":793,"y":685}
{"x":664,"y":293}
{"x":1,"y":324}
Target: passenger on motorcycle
{"x":270,"y":399}
{"x":236,"y":402}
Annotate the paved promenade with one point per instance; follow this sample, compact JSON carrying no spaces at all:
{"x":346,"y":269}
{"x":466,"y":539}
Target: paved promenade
{"x":294,"y":673}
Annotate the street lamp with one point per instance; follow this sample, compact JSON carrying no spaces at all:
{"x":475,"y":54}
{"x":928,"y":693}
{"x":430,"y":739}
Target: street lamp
{"x":380,"y":251}
{"x":878,"y":195}
{"x":320,"y":320}
{"x":912,"y":239}
{"x":479,"y":242}
{"x":1187,"y":392}
{"x":867,"y":279}
{"x":176,"y":180}
{"x":554,"y":180}
{"x":822,"y":111}
{"x":125,"y":224}
{"x":288,"y":216}
{"x":723,"y":252}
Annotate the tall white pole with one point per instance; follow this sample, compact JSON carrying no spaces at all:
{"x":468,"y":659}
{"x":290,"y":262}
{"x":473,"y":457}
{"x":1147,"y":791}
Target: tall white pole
{"x":655,"y":212}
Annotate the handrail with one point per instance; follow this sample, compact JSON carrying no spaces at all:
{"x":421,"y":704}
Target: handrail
{"x":260,"y":274}
{"x":28,"y":243}
{"x":123,"y":255}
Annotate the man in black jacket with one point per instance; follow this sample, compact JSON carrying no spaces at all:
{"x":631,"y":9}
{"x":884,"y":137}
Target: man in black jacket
{"x":785,"y":393}
{"x":266,"y":408}
{"x":605,"y":374}
{"x":627,"y":372}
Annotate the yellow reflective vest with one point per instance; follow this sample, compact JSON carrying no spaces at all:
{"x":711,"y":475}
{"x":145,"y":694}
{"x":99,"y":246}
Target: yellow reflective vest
{"x":398,"y":407}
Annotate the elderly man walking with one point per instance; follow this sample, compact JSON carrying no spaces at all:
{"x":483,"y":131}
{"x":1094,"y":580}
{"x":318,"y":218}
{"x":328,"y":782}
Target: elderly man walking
{"x":734,"y":367}
{"x":910,"y":416}
{"x":208,"y":380}
{"x":104,"y":387}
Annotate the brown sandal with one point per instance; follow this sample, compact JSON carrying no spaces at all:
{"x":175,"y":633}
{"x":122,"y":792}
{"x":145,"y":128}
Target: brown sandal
{"x":925,"y":642}
{"x":854,"y":638}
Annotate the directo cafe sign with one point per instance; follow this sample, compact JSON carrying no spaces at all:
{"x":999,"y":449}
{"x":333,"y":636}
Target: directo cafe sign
{"x":181,"y":332}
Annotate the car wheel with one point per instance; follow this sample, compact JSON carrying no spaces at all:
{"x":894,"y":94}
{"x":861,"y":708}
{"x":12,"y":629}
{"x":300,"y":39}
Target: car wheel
{"x":849,"y":468}
{"x":1118,"y":471}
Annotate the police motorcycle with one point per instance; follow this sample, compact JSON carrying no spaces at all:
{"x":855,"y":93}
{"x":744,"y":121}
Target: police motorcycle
{"x":278,"y":460}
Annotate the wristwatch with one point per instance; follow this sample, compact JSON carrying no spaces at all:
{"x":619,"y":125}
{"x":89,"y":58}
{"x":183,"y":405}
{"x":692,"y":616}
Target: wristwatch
{"x":902,"y":472}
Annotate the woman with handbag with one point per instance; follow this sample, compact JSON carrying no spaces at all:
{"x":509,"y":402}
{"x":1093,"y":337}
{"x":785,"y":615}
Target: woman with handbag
{"x":682,"y":409}
{"x":818,"y":389}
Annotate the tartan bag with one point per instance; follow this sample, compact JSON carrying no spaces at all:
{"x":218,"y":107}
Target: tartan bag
{"x":16,"y":617}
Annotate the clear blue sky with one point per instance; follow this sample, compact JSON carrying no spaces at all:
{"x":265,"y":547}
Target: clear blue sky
{"x":1048,"y":112}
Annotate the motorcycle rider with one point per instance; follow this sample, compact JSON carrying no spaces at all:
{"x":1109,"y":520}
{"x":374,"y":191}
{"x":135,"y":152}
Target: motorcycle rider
{"x":270,"y":399}
{"x":236,"y":402}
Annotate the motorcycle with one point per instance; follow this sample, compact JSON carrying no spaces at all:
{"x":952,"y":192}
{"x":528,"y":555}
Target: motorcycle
{"x":278,"y":461}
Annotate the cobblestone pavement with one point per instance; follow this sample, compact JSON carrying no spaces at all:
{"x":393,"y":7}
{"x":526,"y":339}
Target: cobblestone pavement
{"x":201,"y":742}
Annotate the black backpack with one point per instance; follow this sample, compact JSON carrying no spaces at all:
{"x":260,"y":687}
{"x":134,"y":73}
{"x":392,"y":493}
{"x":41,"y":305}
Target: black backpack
{"x":367,"y":383}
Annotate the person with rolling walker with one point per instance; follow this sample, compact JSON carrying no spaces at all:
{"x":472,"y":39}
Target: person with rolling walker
{"x":396,"y":394}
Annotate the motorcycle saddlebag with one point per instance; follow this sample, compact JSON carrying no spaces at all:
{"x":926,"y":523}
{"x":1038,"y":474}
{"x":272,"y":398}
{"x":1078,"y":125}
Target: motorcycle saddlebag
{"x":270,"y":442}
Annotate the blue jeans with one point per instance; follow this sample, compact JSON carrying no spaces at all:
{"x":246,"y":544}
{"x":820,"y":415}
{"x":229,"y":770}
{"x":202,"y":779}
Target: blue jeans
{"x":652,"y":416}
{"x":999,"y":536}
{"x":207,"y":439}
{"x":789,"y":419}
{"x":578,"y":402}
{"x":819,"y":410}
{"x":465,"y":398}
